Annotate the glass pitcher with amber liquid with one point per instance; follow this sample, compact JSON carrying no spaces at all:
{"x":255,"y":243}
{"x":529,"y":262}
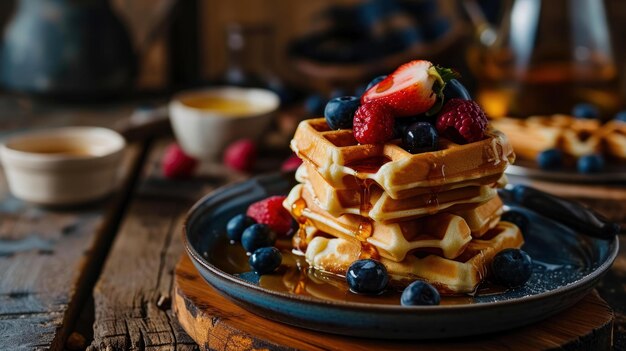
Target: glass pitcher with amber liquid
{"x":544,"y":57}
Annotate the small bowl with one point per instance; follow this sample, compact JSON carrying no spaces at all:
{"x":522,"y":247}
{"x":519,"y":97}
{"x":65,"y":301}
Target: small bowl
{"x":204,"y":131}
{"x":62,"y":166}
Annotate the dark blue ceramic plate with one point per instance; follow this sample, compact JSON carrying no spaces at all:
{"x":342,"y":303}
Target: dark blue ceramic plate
{"x":567,"y":266}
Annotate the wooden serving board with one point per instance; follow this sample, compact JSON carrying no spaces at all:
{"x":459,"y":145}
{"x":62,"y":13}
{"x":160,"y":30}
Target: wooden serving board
{"x":216,"y":323}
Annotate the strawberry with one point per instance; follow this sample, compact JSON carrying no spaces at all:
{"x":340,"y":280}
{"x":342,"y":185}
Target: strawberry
{"x":177,"y":164}
{"x":415,"y":87}
{"x":271,"y":212}
{"x":241,"y":155}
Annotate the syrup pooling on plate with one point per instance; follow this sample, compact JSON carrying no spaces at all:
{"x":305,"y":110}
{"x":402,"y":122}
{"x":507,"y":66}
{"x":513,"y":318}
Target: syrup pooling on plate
{"x":297,"y":278}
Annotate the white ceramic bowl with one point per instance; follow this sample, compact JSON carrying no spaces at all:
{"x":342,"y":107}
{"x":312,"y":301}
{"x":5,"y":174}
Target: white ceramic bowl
{"x":62,"y":166}
{"x":204,"y":133}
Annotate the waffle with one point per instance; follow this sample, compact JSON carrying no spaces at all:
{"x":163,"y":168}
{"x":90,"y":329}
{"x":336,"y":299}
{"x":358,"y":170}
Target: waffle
{"x":443,"y":233}
{"x":526,"y":141}
{"x":453,"y":276}
{"x":337,"y":156}
{"x":578,"y":137}
{"x":483,"y":217}
{"x":381,"y":207}
{"x":574,"y":136}
{"x":614,"y":137}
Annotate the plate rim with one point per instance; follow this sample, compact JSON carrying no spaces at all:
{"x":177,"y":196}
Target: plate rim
{"x":361,"y":306}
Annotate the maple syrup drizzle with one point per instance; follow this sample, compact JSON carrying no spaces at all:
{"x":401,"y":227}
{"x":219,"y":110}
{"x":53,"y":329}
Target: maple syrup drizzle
{"x":299,"y":240}
{"x":436,"y":174}
{"x":366,"y":228}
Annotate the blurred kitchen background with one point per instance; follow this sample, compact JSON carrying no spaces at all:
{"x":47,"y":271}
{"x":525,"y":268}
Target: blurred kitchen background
{"x":519,"y":57}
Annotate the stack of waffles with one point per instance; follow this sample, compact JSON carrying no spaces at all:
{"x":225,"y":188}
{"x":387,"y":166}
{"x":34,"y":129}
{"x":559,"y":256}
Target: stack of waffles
{"x":574,"y":136}
{"x":433,"y":216}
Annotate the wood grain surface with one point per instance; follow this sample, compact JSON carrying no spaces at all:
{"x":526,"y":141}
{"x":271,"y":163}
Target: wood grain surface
{"x":132,"y":297}
{"x":216,"y":323}
{"x":47,"y":258}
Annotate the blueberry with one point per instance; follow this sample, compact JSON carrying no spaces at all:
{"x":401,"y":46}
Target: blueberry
{"x":550,"y":159}
{"x":314,"y":105}
{"x":265,"y":260}
{"x":339,"y":112}
{"x":620,"y":116}
{"x":517,"y":218}
{"x":420,"y":137}
{"x":367,"y":277}
{"x":455,"y":90}
{"x":512,"y":267}
{"x":420,"y":293}
{"x":587,"y":111}
{"x":590,"y":163}
{"x":257,"y":236}
{"x":237,"y":225}
{"x":375,"y":81}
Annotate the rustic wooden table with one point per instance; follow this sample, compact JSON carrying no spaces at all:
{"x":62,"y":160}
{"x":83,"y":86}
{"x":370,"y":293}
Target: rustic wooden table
{"x":100,"y":277}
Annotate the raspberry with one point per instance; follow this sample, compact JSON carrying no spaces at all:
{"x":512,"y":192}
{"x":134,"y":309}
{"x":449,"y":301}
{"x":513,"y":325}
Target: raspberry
{"x":272,"y":213}
{"x":176,"y":164}
{"x":462,"y":121}
{"x":373,"y":123}
{"x":240,"y":155}
{"x":291,"y":163}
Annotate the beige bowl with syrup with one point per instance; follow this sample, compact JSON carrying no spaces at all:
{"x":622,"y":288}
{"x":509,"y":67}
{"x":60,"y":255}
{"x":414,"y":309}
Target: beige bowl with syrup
{"x":205,"y":121}
{"x":62,"y":166}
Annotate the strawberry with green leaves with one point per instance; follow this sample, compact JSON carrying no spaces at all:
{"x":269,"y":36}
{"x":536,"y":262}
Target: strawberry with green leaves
{"x":414,"y":88}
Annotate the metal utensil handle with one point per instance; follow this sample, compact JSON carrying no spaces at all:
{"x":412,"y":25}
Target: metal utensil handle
{"x":566,"y":212}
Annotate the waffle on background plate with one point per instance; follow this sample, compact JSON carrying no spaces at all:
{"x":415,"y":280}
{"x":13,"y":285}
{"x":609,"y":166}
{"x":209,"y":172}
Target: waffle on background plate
{"x":433,"y":216}
{"x":574,"y":136}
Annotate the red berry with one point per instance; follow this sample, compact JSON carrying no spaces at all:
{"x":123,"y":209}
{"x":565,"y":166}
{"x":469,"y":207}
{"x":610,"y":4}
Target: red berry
{"x":462,"y":121}
{"x":408,"y":91}
{"x":291,"y":163}
{"x":373,"y":123}
{"x":240,"y":155}
{"x":177,"y":164}
{"x":272,"y":213}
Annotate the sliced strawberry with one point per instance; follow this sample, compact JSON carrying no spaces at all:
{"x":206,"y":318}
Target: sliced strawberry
{"x":415,"y":87}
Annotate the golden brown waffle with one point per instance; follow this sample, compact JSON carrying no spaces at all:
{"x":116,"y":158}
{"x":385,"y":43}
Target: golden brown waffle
{"x":526,"y":141}
{"x":579,"y":136}
{"x":614,"y":137}
{"x":459,"y":275}
{"x":574,"y":136}
{"x":444,"y":232}
{"x":482,"y":218}
{"x":381,"y":207}
{"x":338,"y":157}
